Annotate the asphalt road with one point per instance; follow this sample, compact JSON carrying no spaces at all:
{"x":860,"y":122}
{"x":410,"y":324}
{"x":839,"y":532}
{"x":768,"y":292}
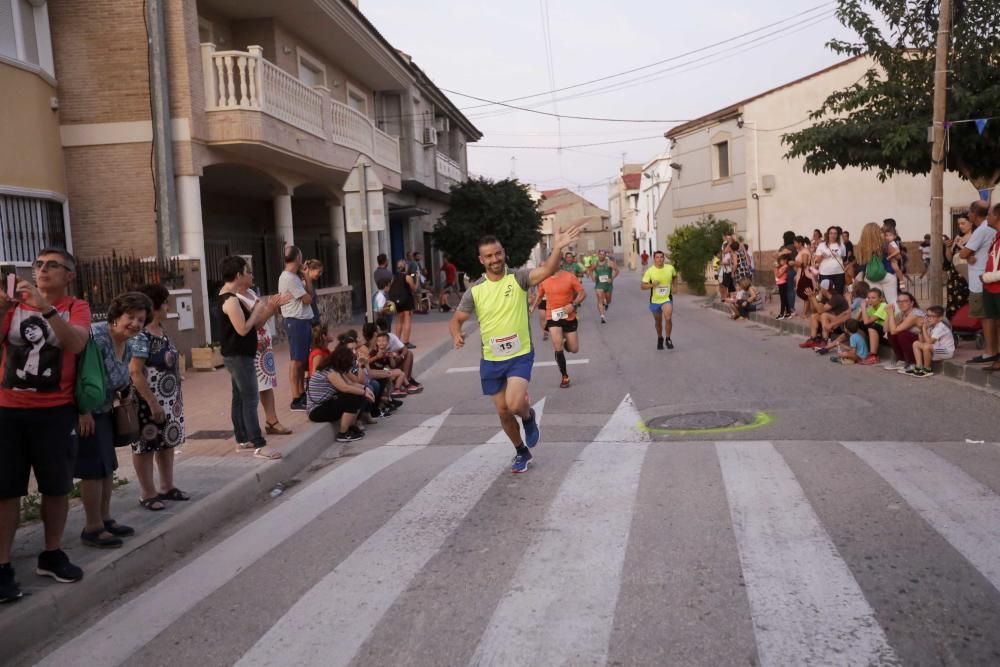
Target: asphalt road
{"x":834,"y":515}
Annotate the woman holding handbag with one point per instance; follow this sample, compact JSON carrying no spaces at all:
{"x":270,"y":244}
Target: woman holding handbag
{"x":104,"y":428}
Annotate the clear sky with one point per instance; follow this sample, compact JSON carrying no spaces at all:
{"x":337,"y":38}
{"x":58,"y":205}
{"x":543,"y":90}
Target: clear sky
{"x":497,"y":50}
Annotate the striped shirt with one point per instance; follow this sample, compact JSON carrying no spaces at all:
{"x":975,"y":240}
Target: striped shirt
{"x":320,"y":390}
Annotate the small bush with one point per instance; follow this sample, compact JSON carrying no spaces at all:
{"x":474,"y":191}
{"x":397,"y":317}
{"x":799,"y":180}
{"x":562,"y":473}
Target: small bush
{"x":693,"y":246}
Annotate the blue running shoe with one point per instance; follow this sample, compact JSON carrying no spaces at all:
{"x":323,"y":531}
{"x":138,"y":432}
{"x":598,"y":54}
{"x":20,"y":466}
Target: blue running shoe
{"x":521,"y":461}
{"x":531,"y":432}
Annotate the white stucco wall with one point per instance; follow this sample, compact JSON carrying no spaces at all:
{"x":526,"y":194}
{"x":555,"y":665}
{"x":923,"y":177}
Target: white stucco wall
{"x":799,"y":201}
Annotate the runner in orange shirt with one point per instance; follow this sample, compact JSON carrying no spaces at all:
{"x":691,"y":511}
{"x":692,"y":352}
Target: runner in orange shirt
{"x":563,"y":293}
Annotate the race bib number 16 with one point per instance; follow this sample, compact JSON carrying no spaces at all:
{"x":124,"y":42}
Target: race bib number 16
{"x":505,"y":346}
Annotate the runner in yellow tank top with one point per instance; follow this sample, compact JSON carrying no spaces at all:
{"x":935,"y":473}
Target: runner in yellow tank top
{"x":659,"y":280}
{"x":500,"y":302}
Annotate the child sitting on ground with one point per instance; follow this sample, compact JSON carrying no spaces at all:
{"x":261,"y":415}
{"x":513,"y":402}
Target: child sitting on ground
{"x":855,"y":351}
{"x":936,"y":343}
{"x":738,"y":297}
{"x":321,"y":347}
{"x":857,"y":292}
{"x":873,"y":322}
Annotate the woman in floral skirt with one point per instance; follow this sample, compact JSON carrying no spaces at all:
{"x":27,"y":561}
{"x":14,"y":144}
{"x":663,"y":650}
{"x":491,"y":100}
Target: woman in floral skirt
{"x":267,"y":371}
{"x":156,"y":378}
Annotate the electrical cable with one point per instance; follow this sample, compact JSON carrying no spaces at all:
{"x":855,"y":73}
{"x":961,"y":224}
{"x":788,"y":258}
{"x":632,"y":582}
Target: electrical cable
{"x":663,"y":61}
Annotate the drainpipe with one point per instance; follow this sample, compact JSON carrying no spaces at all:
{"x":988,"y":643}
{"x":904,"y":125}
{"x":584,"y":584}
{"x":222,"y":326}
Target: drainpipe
{"x":167,"y":241}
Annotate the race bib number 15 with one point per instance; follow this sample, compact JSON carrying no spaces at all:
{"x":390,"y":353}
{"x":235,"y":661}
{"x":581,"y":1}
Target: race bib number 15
{"x":505,"y":346}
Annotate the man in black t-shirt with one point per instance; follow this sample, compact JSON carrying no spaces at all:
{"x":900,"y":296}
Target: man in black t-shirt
{"x":830,"y":311}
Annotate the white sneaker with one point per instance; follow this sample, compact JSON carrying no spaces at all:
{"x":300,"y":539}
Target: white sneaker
{"x":895,"y":365}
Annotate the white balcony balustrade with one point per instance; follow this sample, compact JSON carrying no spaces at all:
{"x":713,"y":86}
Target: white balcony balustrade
{"x":245,"y":80}
{"x":449,"y":169}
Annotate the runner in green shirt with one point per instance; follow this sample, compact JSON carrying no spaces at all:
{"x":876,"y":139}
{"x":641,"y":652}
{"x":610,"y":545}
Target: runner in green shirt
{"x":499,"y":299}
{"x":659,"y":279}
{"x":603,"y":271}
{"x":570,"y":265}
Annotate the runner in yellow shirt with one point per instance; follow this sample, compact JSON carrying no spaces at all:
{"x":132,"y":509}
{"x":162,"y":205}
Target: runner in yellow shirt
{"x":659,"y":280}
{"x":499,"y":300}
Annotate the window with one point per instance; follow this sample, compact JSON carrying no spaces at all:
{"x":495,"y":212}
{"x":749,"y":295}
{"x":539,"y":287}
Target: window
{"x":24,"y":34}
{"x":29,"y":224}
{"x":357,"y":99}
{"x":721,"y":160}
{"x":312,"y":71}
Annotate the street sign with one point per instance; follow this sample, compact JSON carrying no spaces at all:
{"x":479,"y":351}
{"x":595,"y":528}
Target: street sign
{"x":354,"y":209}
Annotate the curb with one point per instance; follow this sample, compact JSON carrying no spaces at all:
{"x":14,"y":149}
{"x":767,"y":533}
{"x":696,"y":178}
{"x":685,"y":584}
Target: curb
{"x":971,"y":375}
{"x":32,"y":621}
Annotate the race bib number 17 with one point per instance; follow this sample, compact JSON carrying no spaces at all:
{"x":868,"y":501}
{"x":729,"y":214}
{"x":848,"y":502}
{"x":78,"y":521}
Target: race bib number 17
{"x":662,"y":291}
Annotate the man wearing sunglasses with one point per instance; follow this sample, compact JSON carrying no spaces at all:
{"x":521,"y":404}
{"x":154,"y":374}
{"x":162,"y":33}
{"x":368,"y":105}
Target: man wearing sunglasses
{"x":37,"y":413}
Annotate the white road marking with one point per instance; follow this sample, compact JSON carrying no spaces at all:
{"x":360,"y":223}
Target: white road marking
{"x":537,"y":364}
{"x":333,"y":619}
{"x":807,"y":608}
{"x":132,"y":625}
{"x":964,"y":511}
{"x":561,"y":605}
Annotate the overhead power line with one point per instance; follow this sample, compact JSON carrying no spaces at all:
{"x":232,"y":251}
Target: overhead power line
{"x":698,"y":63}
{"x":560,"y":115}
{"x":556,"y":148}
{"x":659,"y":62}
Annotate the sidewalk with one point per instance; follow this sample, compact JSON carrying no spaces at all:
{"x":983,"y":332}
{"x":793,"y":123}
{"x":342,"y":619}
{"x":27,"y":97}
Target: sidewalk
{"x":223,"y":483}
{"x":955,"y":368}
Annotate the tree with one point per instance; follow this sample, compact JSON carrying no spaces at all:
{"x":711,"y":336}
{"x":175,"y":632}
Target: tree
{"x":880,"y":122}
{"x":693,"y":246}
{"x":481,"y":207}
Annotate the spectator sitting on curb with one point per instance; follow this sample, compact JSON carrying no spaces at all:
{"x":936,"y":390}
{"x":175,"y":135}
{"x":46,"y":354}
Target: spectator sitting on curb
{"x":830,"y":312}
{"x":937,"y":343}
{"x":852,"y":347}
{"x":96,"y":459}
{"x":43,"y":330}
{"x":858,"y":294}
{"x":873,"y":318}
{"x":396,"y":346}
{"x":747,"y":300}
{"x":903,"y":321}
{"x":333,"y":398}
{"x":322,"y":345}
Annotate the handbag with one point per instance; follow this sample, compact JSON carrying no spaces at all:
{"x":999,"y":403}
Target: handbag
{"x":90,"y":389}
{"x":125,"y":417}
{"x":874,"y":269}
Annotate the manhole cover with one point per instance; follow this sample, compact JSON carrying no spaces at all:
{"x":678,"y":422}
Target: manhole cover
{"x":210,"y":435}
{"x":698,"y":421}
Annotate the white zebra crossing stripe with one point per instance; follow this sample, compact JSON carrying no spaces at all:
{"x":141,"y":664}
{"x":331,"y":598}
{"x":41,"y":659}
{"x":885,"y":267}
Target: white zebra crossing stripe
{"x":962,"y":510}
{"x":138,"y":621}
{"x":561,"y":605}
{"x":807,"y":607}
{"x":332,"y":620}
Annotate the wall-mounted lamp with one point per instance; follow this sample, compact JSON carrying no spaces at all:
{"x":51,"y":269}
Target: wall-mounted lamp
{"x":674,"y":165}
{"x":286,"y":49}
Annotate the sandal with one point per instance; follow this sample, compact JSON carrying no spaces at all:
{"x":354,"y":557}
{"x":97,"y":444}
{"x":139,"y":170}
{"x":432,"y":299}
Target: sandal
{"x":174,"y":494}
{"x":151,"y":504}
{"x":117,"y":529}
{"x":276,"y":428}
{"x":94,"y":539}
{"x":269,"y":455}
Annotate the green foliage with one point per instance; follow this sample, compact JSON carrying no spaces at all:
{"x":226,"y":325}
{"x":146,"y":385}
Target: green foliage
{"x":880,"y":122}
{"x":480,"y":207}
{"x":693,"y":246}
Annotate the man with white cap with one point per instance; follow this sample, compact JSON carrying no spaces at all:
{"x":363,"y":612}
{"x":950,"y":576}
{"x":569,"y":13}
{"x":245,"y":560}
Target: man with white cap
{"x":830,"y":311}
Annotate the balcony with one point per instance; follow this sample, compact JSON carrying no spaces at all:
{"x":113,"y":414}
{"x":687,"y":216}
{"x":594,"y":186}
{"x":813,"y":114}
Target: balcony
{"x":448,"y":172}
{"x":242,"y":87}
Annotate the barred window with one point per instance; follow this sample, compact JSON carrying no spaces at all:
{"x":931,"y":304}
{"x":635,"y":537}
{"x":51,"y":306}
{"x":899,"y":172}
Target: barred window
{"x":27,"y":225}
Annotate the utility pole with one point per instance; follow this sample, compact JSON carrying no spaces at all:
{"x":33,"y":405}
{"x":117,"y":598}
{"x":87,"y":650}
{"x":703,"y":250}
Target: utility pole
{"x":939,"y":149}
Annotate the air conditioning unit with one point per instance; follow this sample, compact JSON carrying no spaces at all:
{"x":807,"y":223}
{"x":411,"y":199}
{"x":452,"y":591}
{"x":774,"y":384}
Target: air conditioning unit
{"x":443,"y":123}
{"x":430,"y":136}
